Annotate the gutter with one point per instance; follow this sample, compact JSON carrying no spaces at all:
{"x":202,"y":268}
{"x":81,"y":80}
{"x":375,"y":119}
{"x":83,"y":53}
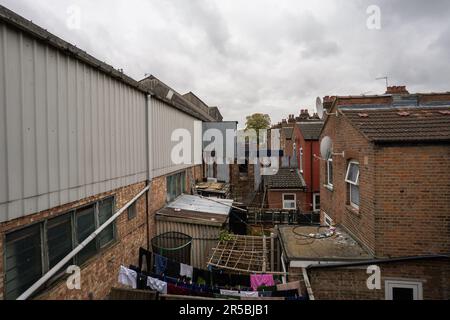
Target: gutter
{"x":80,"y":247}
{"x":379,"y":261}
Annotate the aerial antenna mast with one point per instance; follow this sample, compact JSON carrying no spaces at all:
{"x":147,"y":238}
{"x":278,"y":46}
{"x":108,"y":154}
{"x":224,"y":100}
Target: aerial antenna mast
{"x":384,"y":78}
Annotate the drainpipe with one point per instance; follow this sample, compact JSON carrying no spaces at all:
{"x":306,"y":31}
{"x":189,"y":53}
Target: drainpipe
{"x":149,"y":158}
{"x":80,"y":247}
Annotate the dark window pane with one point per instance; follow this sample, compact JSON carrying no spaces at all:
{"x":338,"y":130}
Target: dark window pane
{"x":23,"y":262}
{"x":353,"y":172}
{"x":132,"y":211}
{"x":85,"y":227}
{"x":106,"y":211}
{"x":402,"y":294}
{"x":354,"y":194}
{"x":59,"y":239}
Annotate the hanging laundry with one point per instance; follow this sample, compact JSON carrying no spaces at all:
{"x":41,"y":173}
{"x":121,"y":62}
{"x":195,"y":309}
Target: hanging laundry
{"x":145,"y":258}
{"x":220,"y":279}
{"x":127,"y":277}
{"x":157,"y":285}
{"x":186,"y":271}
{"x":285,"y":293}
{"x":173,"y":269}
{"x":202,"y":277}
{"x":178,"y":290}
{"x":231,"y":293}
{"x":257,"y":280}
{"x":249,"y":294}
{"x":160,"y":264}
{"x":240,"y":280}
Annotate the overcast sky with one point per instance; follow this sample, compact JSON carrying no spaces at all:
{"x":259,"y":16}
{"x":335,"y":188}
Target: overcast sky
{"x":265,"y":56}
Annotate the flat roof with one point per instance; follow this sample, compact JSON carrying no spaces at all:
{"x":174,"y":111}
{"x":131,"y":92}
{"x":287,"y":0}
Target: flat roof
{"x":197,"y":210}
{"x":339,"y":247}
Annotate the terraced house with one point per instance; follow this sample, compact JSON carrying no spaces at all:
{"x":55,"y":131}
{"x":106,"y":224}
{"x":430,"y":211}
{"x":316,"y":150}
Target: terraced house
{"x":385,"y":183}
{"x":83,"y":148}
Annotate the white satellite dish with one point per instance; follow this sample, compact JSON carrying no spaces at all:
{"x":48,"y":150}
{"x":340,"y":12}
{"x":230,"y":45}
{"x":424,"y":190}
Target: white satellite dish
{"x":319,"y":107}
{"x":325,"y":147}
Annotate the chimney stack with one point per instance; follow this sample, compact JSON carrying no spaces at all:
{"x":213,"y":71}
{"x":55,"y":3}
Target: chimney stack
{"x":328,"y":102}
{"x":397,"y":90}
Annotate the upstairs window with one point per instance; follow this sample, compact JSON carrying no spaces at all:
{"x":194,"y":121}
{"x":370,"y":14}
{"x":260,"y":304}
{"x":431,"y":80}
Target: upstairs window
{"x":289,"y":201}
{"x":329,"y":172}
{"x":352,"y":179}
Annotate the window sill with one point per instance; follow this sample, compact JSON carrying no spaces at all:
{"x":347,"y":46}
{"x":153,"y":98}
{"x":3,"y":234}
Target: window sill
{"x":329,"y":187}
{"x":352,"y":210}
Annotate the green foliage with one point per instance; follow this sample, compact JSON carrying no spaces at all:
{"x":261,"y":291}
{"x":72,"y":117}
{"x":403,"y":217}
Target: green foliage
{"x":258,"y":121}
{"x":224,"y":235}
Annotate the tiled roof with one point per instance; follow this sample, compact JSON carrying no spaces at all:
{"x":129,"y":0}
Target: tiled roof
{"x":286,"y":178}
{"x":402,"y":124}
{"x":311,"y":129}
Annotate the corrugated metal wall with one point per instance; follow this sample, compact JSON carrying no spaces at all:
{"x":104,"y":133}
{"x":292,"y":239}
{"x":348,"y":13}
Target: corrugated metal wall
{"x":201,"y":249}
{"x":67,"y":131}
{"x":165,"y":119}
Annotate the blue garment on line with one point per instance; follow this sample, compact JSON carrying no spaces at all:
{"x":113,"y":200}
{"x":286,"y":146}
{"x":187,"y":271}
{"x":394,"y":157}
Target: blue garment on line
{"x":160,"y":264}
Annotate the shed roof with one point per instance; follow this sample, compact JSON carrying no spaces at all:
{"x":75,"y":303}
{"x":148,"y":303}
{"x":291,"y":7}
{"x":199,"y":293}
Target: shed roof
{"x":401,"y":124}
{"x":311,"y":129}
{"x":286,"y":178}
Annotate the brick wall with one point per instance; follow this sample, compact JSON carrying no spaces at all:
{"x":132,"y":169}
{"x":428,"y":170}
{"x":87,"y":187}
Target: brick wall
{"x":99,"y":273}
{"x":413,"y":200}
{"x":275,"y":199}
{"x":360,"y":223}
{"x":350,"y":283}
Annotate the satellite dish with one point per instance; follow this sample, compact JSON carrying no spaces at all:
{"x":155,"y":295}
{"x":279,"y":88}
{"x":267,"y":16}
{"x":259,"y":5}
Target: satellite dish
{"x":325,"y":147}
{"x":319,"y":107}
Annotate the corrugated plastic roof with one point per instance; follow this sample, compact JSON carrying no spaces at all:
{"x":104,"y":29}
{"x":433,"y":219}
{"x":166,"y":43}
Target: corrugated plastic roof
{"x":200,"y":204}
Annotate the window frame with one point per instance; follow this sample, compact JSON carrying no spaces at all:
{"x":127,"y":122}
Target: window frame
{"x":294,"y":201}
{"x":415,"y":285}
{"x":327,"y":219}
{"x":353,"y":184}
{"x":329,"y":177}
{"x":315,"y":208}
{"x":43,"y":238}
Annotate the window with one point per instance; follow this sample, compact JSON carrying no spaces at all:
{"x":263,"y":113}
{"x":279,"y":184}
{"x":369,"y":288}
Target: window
{"x":59,"y":238}
{"x":32,"y":251}
{"x":176,"y":185}
{"x":85,"y":219}
{"x":289,"y":201}
{"x":329,"y":172}
{"x":132,"y":211}
{"x":403,"y":290}
{"x":316,"y":202}
{"x":23,"y":260}
{"x":301,"y":159}
{"x":352,"y":179}
{"x":327,"y":219}
{"x":106,"y":211}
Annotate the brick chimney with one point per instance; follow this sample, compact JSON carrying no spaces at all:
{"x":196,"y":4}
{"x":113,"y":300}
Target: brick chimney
{"x":304,"y":114}
{"x":328,"y":102}
{"x":291,"y":118}
{"x":397,"y":90}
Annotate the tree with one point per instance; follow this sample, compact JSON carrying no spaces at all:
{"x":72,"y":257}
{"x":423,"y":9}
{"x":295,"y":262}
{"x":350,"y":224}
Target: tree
{"x":257,"y":121}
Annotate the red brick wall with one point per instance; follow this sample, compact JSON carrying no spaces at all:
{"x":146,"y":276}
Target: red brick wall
{"x":99,"y":273}
{"x":413,"y":200}
{"x":360,"y":223}
{"x":275,"y":199}
{"x":350,"y":283}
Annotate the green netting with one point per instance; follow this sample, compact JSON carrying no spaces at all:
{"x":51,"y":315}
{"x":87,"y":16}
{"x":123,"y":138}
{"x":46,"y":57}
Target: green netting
{"x":174,"y":246}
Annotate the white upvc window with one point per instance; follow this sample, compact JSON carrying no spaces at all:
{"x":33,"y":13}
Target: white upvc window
{"x":403,"y":290}
{"x":352,"y":179}
{"x":330,"y":172}
{"x":316,"y":202}
{"x":301,"y":159}
{"x":289,"y":201}
{"x":327,"y":219}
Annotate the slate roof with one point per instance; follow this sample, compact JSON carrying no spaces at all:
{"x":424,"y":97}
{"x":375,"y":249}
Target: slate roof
{"x":286,"y":178}
{"x":288,"y":131}
{"x":311,"y":129}
{"x":414,"y":124}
